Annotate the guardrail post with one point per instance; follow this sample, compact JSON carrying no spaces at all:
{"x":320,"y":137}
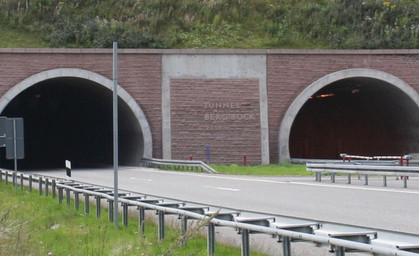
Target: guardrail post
{"x":21,"y":181}
{"x":286,"y":246}
{"x":97,"y":206}
{"x":76,"y":200}
{"x":349,"y":179}
{"x":53,"y":186}
{"x":339,"y":251}
{"x":333,"y":177}
{"x":211,"y":239}
{"x":125,"y":214}
{"x":67,"y":194}
{"x":385,"y":181}
{"x":86,"y":203}
{"x":405,"y":181}
{"x":184,"y":224}
{"x":60,"y":195}
{"x":161,"y":225}
{"x":40,"y":185}
{"x":7,"y":177}
{"x":245,"y":248}
{"x":320,"y":177}
{"x":14,"y":180}
{"x":46,"y":186}
{"x":366,"y":179}
{"x":110,"y":210}
{"x":141,"y":219}
{"x":30,"y":183}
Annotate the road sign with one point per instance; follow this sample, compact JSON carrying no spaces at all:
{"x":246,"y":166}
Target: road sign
{"x":3,"y":131}
{"x":15,"y":148}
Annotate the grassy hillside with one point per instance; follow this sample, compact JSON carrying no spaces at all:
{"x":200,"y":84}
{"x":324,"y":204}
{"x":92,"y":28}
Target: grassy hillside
{"x":12,"y":38}
{"x":332,"y":24}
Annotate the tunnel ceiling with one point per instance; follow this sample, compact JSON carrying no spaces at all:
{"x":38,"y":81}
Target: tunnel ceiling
{"x":361,"y":116}
{"x":71,"y":119}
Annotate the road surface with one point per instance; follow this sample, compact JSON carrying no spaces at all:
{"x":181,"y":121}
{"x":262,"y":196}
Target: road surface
{"x":391,"y":208}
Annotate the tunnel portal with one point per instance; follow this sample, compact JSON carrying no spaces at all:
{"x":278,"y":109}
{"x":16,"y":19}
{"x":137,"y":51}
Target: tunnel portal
{"x":70,"y":118}
{"x":362,"y":116}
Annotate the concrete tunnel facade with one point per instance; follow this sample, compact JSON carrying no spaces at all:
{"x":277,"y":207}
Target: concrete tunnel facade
{"x":268,"y":105}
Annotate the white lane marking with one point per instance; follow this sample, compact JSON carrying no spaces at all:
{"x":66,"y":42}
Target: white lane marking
{"x":213,"y":176}
{"x":221,"y":188}
{"x":356,"y":188}
{"x":132,"y":178}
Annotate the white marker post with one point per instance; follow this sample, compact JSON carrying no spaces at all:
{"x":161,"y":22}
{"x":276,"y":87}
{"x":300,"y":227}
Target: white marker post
{"x":68,"y":168}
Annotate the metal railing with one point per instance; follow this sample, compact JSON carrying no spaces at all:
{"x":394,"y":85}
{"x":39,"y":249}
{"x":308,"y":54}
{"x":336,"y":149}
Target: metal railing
{"x":362,"y":169}
{"x":286,"y":234}
{"x":402,"y":160}
{"x":177,"y":164}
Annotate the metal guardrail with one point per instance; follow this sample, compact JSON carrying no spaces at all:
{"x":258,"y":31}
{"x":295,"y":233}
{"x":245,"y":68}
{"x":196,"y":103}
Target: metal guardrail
{"x":184,"y":164}
{"x":339,"y":244}
{"x":377,"y":160}
{"x":402,"y":160}
{"x":363,"y":169}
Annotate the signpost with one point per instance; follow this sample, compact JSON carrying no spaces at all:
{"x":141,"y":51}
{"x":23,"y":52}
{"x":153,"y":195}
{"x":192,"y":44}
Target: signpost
{"x":115,"y":132}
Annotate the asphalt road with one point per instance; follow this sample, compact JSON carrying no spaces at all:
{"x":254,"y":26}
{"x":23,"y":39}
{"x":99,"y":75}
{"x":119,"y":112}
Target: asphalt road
{"x":392,"y":208}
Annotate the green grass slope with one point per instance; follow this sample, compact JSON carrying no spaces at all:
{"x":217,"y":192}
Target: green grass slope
{"x":330,"y":24}
{"x":37,"y":225}
{"x":14,"y":38}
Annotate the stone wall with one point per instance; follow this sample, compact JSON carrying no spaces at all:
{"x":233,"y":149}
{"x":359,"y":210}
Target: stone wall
{"x":222,"y":114}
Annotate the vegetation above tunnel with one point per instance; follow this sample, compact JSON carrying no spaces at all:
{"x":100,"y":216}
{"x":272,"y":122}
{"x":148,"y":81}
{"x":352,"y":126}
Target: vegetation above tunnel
{"x":332,"y":24}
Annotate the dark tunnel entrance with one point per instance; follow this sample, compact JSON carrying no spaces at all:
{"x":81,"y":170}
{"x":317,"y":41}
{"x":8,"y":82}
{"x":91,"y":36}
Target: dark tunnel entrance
{"x":71,"y":119}
{"x":361,"y":116}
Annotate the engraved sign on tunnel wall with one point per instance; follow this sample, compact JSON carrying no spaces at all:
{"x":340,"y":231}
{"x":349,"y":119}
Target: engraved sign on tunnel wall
{"x":223,"y":114}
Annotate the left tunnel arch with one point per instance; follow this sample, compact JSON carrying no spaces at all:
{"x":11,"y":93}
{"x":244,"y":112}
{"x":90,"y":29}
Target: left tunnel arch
{"x":68,"y":116}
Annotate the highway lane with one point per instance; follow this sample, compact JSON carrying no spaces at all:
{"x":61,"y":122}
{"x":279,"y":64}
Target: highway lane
{"x":394,"y":209}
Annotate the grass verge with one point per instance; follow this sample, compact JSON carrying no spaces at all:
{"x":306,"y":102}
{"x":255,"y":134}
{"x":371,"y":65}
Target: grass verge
{"x":37,"y":225}
{"x":262,"y":170}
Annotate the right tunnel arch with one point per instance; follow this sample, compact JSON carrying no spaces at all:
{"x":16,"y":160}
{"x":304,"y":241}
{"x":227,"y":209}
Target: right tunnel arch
{"x":354,"y":111}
